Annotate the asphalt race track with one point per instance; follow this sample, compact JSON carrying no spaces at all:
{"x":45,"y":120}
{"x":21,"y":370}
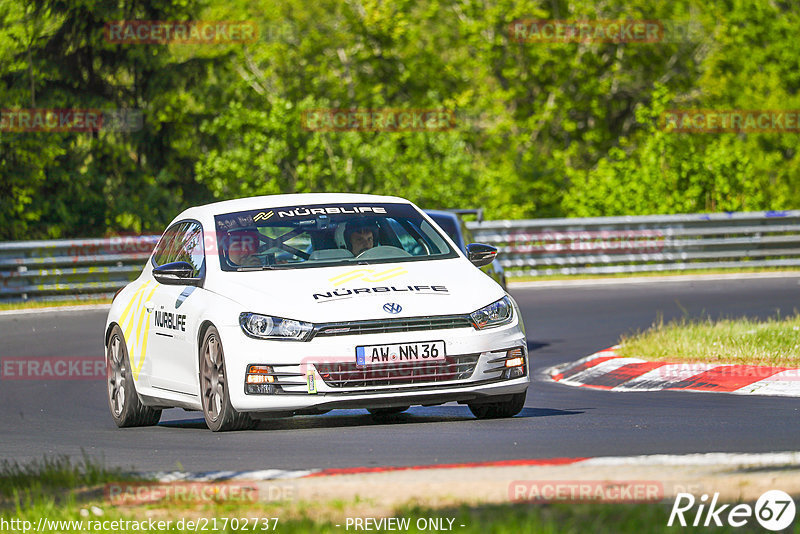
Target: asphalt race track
{"x":53,"y":417}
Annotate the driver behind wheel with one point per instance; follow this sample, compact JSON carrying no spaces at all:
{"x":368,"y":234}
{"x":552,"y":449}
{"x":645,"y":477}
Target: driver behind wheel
{"x":360,"y":236}
{"x":242,"y":247}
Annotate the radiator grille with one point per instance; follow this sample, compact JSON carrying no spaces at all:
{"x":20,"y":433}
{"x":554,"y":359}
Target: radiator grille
{"x":385,"y":326}
{"x":348,"y":375}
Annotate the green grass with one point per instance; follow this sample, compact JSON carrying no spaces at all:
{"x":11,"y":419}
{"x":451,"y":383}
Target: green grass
{"x":693,"y":272}
{"x":775,"y":342}
{"x":51,"y":476}
{"x":36,"y":304}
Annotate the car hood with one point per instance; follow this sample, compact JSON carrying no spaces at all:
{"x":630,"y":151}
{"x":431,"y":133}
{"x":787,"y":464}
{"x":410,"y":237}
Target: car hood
{"x":358,"y":292}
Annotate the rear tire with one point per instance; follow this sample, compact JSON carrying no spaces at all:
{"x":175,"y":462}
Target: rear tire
{"x":123,"y":401}
{"x":214,"y":388}
{"x":495,"y":410}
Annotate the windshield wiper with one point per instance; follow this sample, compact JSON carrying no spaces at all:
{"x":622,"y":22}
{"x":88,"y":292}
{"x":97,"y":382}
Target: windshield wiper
{"x":258,"y":268}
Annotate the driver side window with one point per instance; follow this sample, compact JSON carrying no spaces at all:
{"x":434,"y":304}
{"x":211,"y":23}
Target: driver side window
{"x":182,"y":241}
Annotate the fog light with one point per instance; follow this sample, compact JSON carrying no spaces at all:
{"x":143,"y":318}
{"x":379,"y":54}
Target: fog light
{"x":259,"y":379}
{"x":515,"y":362}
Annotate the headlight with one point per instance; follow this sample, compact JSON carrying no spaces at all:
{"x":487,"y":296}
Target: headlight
{"x":268,"y":327}
{"x":495,"y":314}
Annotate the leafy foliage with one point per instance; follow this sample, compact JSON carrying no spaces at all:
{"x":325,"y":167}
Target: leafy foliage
{"x":542,"y":129}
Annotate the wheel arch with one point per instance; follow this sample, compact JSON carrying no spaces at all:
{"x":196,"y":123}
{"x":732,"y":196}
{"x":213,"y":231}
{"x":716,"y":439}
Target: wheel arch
{"x":201,"y":334}
{"x":109,"y":329}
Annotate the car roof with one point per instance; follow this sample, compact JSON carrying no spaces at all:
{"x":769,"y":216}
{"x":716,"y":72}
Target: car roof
{"x":276,"y":201}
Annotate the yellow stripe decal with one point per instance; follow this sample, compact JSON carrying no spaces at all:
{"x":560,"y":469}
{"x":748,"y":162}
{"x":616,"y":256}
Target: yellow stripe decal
{"x":140,"y":361}
{"x":130,"y":303}
{"x":380,"y":277}
{"x":348,"y":276}
{"x":343,"y":279}
{"x":128,"y":327}
{"x":368,"y":275}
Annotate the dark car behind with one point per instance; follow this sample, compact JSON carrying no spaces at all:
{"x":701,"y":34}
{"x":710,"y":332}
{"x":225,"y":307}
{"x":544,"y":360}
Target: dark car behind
{"x":453,"y":224}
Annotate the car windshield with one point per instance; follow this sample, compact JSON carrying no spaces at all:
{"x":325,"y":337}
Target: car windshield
{"x":449,"y":225}
{"x":326,"y":234}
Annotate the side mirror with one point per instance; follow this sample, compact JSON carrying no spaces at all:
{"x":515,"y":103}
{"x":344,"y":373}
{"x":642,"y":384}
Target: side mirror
{"x":177,"y":273}
{"x":480,"y":254}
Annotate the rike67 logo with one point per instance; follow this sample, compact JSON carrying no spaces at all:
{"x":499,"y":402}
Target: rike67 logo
{"x":774,"y":510}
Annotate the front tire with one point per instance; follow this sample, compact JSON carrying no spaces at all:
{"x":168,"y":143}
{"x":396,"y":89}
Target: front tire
{"x":495,"y":410}
{"x":214,"y":388}
{"x":123,"y":401}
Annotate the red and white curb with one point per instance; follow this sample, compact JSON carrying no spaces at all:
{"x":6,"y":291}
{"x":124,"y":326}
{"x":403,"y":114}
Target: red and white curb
{"x":780,"y":459}
{"x":224,"y":476}
{"x":606,"y":370}
{"x":286,"y":474}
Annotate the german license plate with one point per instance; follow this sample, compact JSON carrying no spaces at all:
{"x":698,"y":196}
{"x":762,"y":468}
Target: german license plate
{"x":424,"y":351}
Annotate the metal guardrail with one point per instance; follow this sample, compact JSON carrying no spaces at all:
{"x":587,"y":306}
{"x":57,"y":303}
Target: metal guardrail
{"x":43,"y":270}
{"x":605,"y":245}
{"x":97,"y":267}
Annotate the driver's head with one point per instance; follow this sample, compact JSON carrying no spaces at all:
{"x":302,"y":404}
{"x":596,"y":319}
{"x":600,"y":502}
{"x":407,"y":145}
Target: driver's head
{"x":360,"y":236}
{"x":242,"y":245}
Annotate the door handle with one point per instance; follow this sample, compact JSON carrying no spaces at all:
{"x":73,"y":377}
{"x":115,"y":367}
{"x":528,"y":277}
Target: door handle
{"x":149,"y":305}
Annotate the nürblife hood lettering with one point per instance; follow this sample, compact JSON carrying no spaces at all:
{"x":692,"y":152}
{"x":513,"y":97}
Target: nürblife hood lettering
{"x":344,"y":292}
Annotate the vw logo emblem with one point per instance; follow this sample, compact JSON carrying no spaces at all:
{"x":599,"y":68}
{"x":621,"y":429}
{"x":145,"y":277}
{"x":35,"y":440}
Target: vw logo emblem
{"x":391,"y":307}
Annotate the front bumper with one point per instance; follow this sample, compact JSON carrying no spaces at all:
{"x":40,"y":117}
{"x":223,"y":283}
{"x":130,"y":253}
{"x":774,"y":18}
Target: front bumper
{"x":304,"y":389}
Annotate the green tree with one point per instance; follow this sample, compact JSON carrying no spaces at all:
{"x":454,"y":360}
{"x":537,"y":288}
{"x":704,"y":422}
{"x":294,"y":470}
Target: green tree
{"x":87,"y":183}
